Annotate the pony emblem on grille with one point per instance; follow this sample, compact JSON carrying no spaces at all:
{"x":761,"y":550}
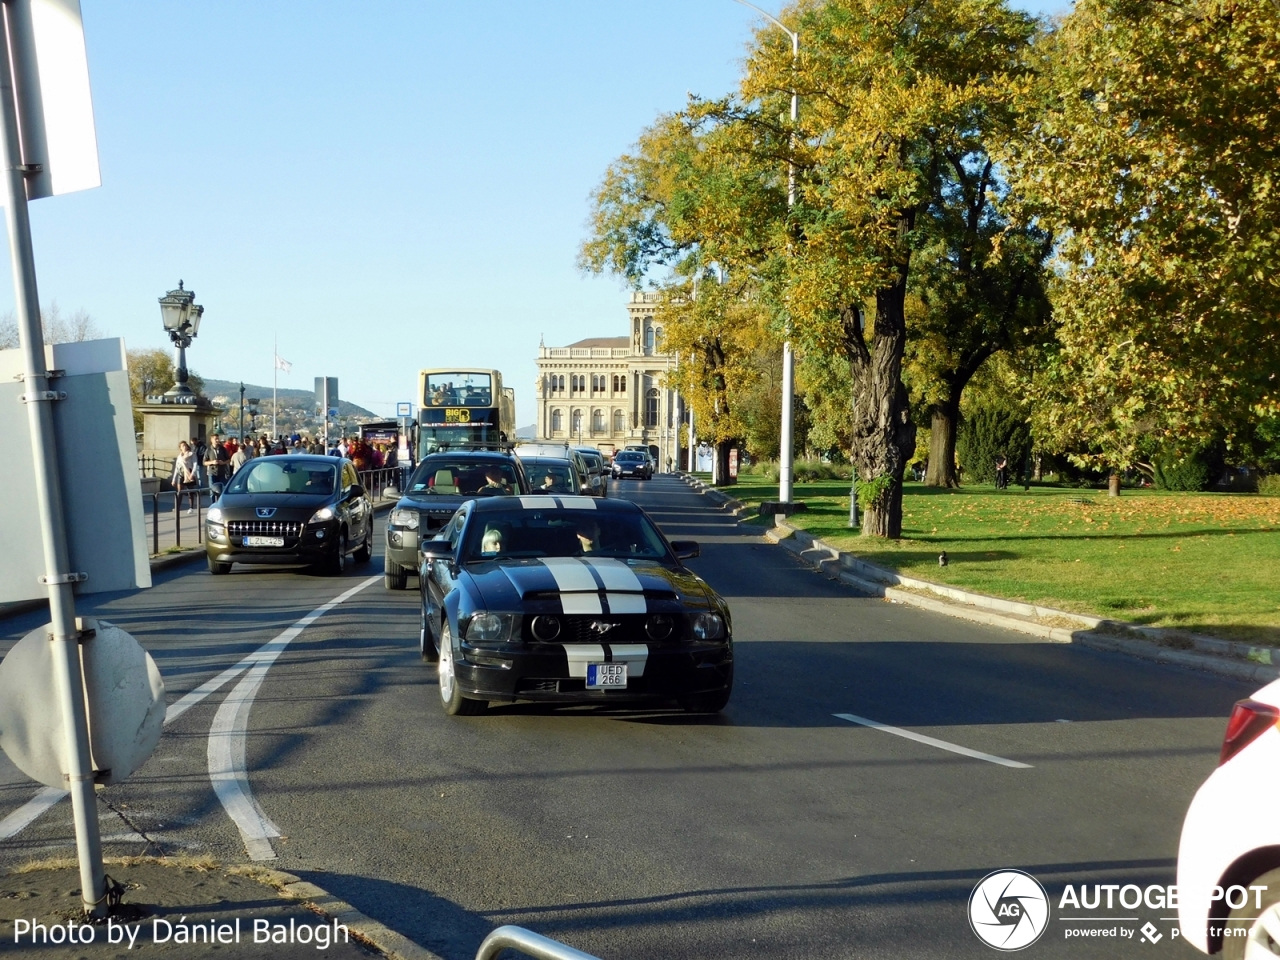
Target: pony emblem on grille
{"x":600,"y":627}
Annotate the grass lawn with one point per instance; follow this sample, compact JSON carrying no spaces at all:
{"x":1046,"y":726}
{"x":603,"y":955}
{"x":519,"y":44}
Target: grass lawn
{"x":1199,"y":561}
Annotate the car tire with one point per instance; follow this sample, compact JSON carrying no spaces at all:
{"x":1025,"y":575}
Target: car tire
{"x":708,"y":702}
{"x":451,"y":698}
{"x":394,"y":576}
{"x":338,"y":562}
{"x":364,"y":552}
{"x":426,"y":643}
{"x":1255,"y":941}
{"x":218,"y":569}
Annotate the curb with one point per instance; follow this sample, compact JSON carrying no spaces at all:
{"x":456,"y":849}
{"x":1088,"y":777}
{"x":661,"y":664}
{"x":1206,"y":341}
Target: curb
{"x":1227,"y":658}
{"x":387,"y":941}
{"x":158,"y":565}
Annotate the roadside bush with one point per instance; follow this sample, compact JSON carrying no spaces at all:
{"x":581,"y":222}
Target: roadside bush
{"x":809,"y":471}
{"x":1189,"y":474}
{"x":1269,"y":486}
{"x":986,"y":434}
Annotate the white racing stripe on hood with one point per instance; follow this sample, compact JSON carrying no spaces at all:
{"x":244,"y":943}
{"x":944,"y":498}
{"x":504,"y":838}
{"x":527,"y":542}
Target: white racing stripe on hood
{"x":580,"y":654}
{"x":578,"y":503}
{"x":578,"y":590}
{"x":538,"y":503}
{"x":617,"y":576}
{"x":634,"y":655}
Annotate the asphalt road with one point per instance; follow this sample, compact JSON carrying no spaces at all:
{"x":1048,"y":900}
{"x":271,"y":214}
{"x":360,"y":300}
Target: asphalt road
{"x":775,"y":830}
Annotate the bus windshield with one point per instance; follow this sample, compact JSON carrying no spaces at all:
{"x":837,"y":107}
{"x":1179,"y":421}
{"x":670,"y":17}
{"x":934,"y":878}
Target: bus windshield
{"x":458,"y":390}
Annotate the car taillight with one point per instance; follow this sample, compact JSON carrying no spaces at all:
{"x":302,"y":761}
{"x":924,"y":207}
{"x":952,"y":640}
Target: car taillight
{"x":1250,"y":719}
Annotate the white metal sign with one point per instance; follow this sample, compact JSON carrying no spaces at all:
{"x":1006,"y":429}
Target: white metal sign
{"x":55,"y":107}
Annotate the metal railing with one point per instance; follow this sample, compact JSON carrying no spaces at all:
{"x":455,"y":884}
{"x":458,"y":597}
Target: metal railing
{"x":379,"y":481}
{"x":188,"y":494}
{"x":149,"y":465}
{"x":529,"y":943}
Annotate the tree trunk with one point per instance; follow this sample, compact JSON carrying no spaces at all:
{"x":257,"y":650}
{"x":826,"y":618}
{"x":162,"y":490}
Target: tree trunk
{"x":884,"y":437}
{"x":1113,"y":485}
{"x":722,"y":478}
{"x":942,"y":445}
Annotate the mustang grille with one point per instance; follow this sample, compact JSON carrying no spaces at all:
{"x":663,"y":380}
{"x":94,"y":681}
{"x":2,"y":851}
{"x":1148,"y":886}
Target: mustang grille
{"x":629,"y":629}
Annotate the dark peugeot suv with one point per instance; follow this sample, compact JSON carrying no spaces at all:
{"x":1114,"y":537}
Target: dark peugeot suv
{"x":441,"y":483}
{"x":291,"y":509}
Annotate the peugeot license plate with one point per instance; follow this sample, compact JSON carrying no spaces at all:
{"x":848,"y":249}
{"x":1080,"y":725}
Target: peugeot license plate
{"x":264,"y":541}
{"x":603,"y":676}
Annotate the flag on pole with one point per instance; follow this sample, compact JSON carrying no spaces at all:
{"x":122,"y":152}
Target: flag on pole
{"x":283,"y":364}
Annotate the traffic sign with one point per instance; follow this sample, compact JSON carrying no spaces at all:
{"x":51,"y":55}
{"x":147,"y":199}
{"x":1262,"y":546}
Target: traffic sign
{"x":123,"y":691}
{"x":404,"y":409}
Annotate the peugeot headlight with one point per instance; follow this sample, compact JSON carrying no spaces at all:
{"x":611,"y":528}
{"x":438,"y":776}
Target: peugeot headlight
{"x":408,"y":519}
{"x":321,"y":515}
{"x":214,"y":514}
{"x":708,"y":626}
{"x":489,"y":627}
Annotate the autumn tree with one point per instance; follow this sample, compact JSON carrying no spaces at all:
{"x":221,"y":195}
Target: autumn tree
{"x":56,"y":327}
{"x":1152,"y":153}
{"x":152,"y":372}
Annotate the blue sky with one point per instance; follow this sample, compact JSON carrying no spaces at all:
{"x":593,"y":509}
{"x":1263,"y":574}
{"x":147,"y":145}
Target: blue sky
{"x":382,"y":185}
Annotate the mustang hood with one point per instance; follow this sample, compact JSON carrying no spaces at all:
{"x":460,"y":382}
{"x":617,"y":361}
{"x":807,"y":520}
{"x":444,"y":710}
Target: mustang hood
{"x":586,"y":585}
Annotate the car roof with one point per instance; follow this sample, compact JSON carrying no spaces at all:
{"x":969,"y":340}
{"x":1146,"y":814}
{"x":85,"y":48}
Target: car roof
{"x":468,"y":455}
{"x":607,"y":505}
{"x":300,"y":457}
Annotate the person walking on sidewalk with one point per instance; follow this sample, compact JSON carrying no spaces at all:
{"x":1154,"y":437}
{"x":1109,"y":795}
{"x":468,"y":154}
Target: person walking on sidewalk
{"x":186,"y":474}
{"x":218,"y":465}
{"x":242,"y":456}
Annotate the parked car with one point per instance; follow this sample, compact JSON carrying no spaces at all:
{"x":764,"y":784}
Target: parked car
{"x":632,"y":463}
{"x":596,"y":469}
{"x":1229,"y":855}
{"x":440,"y":484}
{"x":290,"y":509}
{"x":569,"y":600}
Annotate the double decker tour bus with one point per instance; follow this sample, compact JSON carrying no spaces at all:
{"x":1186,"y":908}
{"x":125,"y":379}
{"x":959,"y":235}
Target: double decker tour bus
{"x":459,"y":409}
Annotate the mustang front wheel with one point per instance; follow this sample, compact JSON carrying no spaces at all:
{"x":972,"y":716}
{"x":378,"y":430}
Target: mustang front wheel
{"x":455,"y":704}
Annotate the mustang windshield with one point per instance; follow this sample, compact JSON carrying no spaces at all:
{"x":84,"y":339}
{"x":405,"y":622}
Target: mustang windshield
{"x":549,"y":532}
{"x":284,"y":476}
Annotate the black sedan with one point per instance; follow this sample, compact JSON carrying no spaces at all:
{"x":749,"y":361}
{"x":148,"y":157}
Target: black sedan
{"x":569,"y":599}
{"x":632,"y":463}
{"x":291,"y":509}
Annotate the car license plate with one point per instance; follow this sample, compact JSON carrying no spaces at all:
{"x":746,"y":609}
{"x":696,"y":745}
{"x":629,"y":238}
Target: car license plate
{"x":602,"y":676}
{"x":264,"y":541}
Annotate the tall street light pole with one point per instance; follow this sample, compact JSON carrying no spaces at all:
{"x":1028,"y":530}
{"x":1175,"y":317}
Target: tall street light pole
{"x":786,"y":452}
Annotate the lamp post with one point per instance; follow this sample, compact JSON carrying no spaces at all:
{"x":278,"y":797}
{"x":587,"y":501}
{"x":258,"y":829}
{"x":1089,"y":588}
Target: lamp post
{"x":242,"y":414}
{"x":786,"y":453}
{"x":181,"y":316}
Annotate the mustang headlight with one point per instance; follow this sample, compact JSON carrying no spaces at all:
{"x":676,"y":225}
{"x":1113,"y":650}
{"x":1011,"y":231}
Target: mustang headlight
{"x":489,"y":627}
{"x":214,"y":514}
{"x":321,"y":515}
{"x":408,"y":519}
{"x":708,"y":626}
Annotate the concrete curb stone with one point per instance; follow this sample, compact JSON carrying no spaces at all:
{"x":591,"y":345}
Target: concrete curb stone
{"x":393,"y":945}
{"x":1228,"y":658}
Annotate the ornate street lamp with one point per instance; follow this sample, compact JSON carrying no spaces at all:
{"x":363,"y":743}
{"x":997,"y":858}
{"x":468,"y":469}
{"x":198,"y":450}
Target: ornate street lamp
{"x":181,"y":316}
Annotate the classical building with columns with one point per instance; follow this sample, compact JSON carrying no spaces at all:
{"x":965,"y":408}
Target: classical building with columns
{"x":608,"y":392}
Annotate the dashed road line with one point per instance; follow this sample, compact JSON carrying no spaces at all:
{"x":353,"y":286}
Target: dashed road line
{"x":932,"y":741}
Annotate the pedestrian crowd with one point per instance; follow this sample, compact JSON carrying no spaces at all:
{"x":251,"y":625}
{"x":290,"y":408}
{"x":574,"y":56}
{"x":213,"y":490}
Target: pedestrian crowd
{"x":199,"y":464}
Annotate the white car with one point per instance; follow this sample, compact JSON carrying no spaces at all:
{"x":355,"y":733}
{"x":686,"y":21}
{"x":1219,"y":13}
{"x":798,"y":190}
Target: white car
{"x":1229,"y":856}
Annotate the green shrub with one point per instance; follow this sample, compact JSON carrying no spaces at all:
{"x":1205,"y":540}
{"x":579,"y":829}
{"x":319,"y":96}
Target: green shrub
{"x":986,"y":434}
{"x":1189,"y":474}
{"x":1269,"y":486}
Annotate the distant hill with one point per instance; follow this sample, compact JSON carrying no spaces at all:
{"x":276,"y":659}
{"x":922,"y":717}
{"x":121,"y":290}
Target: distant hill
{"x":288,"y":398}
{"x":527,"y":433}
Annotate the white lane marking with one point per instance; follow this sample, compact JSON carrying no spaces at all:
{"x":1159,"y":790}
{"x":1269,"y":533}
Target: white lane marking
{"x":27,"y":814}
{"x":538,"y":503}
{"x":580,"y":654}
{"x":933,"y":742}
{"x":635,"y":655}
{"x":227,"y":772}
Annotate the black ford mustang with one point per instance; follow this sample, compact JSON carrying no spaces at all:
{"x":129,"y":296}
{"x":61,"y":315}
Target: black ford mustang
{"x":569,"y":599}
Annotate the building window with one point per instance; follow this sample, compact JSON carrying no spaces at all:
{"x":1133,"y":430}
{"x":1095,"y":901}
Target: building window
{"x":657,"y":337}
{"x":577,"y":422}
{"x":560,"y":384}
{"x":597,"y":421}
{"x":651,"y":408}
{"x":648,"y":339}
{"x":622,"y":383}
{"x":619,"y":422}
{"x":557,"y":420}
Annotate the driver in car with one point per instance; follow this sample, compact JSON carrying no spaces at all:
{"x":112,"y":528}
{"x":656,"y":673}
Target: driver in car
{"x":494,"y":483}
{"x":589,"y":535}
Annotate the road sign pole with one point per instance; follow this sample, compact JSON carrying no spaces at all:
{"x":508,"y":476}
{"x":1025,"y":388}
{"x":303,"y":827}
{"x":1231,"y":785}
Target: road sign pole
{"x":58,"y":573}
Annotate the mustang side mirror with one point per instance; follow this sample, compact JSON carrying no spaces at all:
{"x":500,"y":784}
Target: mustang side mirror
{"x":685,"y":549}
{"x":435,"y":550}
